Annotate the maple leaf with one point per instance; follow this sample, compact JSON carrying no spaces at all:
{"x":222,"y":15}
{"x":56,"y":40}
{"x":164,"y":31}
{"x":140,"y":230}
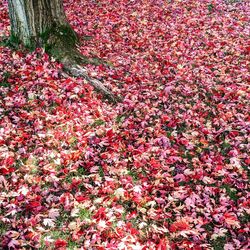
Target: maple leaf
{"x":231,"y":220}
{"x":49,"y":222}
{"x":60,"y":243}
{"x":6,"y":171}
{"x":179,"y":226}
{"x":3,"y":182}
{"x":13,"y":244}
{"x":53,"y":213}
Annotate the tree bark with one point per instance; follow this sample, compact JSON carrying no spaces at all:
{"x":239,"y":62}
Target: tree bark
{"x":43,"y":23}
{"x":32,"y":19}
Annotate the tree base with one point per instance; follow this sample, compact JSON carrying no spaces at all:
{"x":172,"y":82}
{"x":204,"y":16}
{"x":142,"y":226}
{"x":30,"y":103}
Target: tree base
{"x":60,"y":43}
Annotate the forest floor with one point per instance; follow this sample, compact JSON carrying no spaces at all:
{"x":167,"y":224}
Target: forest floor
{"x":167,"y":168}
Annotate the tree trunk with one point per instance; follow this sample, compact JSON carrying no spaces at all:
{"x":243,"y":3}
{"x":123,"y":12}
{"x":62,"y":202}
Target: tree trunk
{"x":43,"y":23}
{"x":30,"y":19}
{"x":37,"y":23}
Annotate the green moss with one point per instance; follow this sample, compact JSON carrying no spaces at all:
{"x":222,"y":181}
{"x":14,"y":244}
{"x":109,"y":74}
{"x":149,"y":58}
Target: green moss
{"x":120,"y":118}
{"x":210,"y":8}
{"x":3,"y":228}
{"x":84,"y":214}
{"x":245,"y":218}
{"x":62,"y":219}
{"x":225,"y":148}
{"x":231,"y":192}
{"x":209,"y":227}
{"x":101,"y":171}
{"x":5,"y":83}
{"x":219,"y":243}
{"x":72,"y":245}
{"x":98,"y":122}
{"x":64,"y":33}
{"x":12,"y":41}
{"x":81,"y":171}
{"x":59,"y":41}
{"x":134,"y":175}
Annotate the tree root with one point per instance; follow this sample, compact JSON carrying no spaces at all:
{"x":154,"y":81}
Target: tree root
{"x":79,"y":71}
{"x":60,"y":42}
{"x":71,"y":60}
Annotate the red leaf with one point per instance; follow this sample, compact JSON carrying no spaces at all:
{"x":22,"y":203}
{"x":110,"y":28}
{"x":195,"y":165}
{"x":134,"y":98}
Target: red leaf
{"x":247,"y":161}
{"x":60,"y":243}
{"x":179,"y":226}
{"x":5,"y":171}
{"x":165,"y":118}
{"x":110,"y":133}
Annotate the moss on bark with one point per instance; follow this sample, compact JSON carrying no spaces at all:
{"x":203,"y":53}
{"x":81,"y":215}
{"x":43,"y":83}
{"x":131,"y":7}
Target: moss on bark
{"x":60,"y":42}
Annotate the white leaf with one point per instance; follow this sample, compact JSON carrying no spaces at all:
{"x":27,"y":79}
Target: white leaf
{"x":49,"y":222}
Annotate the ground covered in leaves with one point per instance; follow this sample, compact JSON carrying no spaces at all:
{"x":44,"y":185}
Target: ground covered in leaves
{"x":165,"y":169}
